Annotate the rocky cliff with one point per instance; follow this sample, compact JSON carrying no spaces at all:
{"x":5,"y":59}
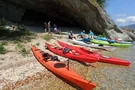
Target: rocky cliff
{"x":85,"y":13}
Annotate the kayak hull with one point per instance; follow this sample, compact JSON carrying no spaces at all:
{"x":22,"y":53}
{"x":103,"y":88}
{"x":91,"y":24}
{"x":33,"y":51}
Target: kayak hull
{"x":62,"y":70}
{"x":104,"y":39}
{"x":72,"y":55}
{"x":97,"y":46}
{"x":111,"y":40}
{"x":101,"y":58}
{"x":110,"y":44}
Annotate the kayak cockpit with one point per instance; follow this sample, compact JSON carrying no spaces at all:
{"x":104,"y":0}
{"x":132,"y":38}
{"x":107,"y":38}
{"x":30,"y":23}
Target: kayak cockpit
{"x":59,"y":65}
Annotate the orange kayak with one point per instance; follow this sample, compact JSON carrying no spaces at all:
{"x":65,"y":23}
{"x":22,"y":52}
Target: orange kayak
{"x":61,"y":69}
{"x":73,"y":54}
{"x":101,"y":58}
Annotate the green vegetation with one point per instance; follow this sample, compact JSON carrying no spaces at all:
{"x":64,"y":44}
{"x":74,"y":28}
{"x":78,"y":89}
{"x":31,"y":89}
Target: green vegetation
{"x":20,"y":45}
{"x":48,"y":37}
{"x":99,"y":3}
{"x":21,"y":48}
{"x":28,"y":40}
{"x":102,"y":3}
{"x":14,"y":33}
{"x":3,"y":22}
{"x":17,"y":33}
{"x":17,"y":40}
{"x":4,"y":43}
{"x":2,"y":49}
{"x":37,"y":44}
{"x":103,"y":35}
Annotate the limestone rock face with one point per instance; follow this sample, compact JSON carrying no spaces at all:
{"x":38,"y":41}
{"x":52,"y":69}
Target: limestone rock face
{"x":80,"y":12}
{"x":130,"y":32}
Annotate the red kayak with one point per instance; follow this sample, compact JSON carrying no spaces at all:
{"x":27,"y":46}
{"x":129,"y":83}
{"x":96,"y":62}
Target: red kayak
{"x":100,"y":57}
{"x":59,"y":68}
{"x":72,"y":54}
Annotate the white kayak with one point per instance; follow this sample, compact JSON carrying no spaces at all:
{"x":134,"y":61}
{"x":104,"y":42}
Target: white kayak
{"x":92,"y":45}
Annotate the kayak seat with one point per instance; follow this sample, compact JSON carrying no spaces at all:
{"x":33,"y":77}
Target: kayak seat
{"x":55,"y":58}
{"x":46,"y":56}
{"x":66,"y":50}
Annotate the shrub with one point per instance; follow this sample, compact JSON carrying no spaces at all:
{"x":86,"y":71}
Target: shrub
{"x":24,"y":30}
{"x":21,"y":48}
{"x":3,"y":31}
{"x":103,"y":35}
{"x":4,"y":43}
{"x":101,"y":2}
{"x":48,"y":37}
{"x":3,"y":22}
{"x":37,"y":44}
{"x":24,"y":52}
{"x":21,"y":27}
{"x":2,"y":49}
{"x":18,"y":40}
{"x":17,"y":35}
{"x":28,"y":40}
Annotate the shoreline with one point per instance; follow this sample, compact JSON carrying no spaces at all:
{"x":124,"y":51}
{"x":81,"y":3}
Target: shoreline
{"x":16,"y":70}
{"x":26,"y":73}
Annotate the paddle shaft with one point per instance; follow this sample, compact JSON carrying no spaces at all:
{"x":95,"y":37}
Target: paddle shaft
{"x":68,"y":63}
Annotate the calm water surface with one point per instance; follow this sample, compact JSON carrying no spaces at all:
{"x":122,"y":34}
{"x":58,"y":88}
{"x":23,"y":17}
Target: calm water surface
{"x":116,"y":77}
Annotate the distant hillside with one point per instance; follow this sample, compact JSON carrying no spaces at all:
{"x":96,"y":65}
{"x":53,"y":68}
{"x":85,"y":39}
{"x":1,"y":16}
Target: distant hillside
{"x":132,"y":26}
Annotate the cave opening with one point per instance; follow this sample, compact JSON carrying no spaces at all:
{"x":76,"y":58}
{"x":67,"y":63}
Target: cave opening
{"x":39,"y":18}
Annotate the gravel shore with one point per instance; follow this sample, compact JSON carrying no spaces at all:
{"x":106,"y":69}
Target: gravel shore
{"x":17,"y":70}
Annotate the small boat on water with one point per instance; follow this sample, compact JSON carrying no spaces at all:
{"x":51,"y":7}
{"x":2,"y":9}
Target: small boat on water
{"x":112,"y":40}
{"x":92,"y":45}
{"x":104,"y":39}
{"x":101,"y":58}
{"x":72,"y":54}
{"x":109,"y":44}
{"x":61,"y":69}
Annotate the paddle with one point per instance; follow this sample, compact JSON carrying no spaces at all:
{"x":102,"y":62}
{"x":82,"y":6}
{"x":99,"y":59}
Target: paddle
{"x":68,"y":60}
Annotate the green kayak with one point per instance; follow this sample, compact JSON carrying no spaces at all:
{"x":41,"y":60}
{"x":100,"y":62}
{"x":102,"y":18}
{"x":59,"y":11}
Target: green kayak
{"x":110,"y":44}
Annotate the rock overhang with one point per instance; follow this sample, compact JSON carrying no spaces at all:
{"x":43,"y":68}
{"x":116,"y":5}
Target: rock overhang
{"x":82,"y":13}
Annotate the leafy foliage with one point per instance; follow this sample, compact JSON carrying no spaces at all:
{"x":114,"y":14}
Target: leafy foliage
{"x":37,"y":44}
{"x":4,"y":43}
{"x":20,"y":34}
{"x":21,"y":48}
{"x":103,"y":35}
{"x":3,"y":22}
{"x":17,"y":33}
{"x":2,"y":49}
{"x":48,"y":37}
{"x":101,"y":2}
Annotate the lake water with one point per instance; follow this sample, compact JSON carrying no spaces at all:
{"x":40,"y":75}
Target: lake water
{"x":116,"y":77}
